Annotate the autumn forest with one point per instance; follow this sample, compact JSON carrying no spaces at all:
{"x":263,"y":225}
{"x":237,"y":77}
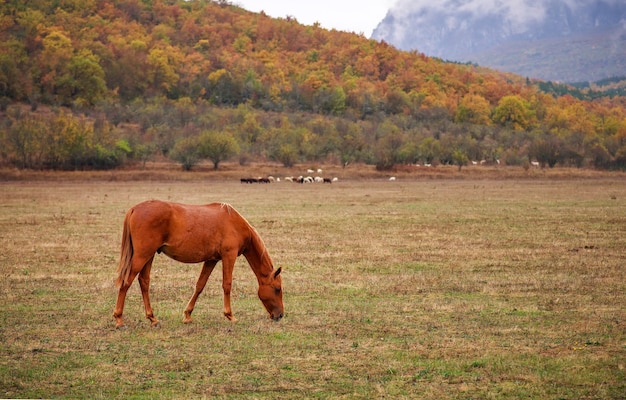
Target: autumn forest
{"x":98,"y":84}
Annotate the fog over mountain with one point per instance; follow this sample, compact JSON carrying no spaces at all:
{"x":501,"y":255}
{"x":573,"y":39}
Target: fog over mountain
{"x":564,"y":40}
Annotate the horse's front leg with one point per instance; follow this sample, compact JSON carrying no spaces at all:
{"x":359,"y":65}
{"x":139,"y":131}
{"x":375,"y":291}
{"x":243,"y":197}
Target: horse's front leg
{"x":207,"y":268}
{"x":228,"y":264}
{"x":144,"y":283}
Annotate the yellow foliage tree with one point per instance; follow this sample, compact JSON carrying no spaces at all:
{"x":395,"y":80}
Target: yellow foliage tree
{"x":474,"y":109}
{"x":514,"y":112}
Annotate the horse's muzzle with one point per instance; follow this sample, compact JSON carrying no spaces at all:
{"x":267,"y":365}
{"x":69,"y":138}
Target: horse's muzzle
{"x":276,"y":317}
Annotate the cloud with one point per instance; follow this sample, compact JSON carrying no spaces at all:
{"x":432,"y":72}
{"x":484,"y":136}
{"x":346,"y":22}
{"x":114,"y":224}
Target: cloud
{"x":513,"y":16}
{"x":520,"y":13}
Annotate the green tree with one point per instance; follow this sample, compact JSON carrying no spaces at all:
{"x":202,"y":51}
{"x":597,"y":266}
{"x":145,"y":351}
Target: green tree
{"x":388,"y":150}
{"x":351,"y":143}
{"x":249,"y":130}
{"x":329,"y":100}
{"x":224,"y":88}
{"x":162,"y":69}
{"x":286,"y":153}
{"x":287,"y":143}
{"x":185,"y":151}
{"x":84,"y":80}
{"x":71,"y":141}
{"x":459,"y":157}
{"x":143,"y":152}
{"x":512,"y":111}
{"x":53,"y":62}
{"x":217,"y":146}
{"x":26,"y":136}
{"x":429,"y":150}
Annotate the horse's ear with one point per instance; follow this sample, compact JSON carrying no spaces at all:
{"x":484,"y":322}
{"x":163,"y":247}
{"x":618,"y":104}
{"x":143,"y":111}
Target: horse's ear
{"x":277,"y":272}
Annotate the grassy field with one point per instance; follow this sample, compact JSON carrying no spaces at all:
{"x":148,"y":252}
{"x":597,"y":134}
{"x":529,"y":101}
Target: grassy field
{"x":432,"y":288}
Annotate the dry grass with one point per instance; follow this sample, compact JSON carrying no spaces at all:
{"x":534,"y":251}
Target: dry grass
{"x":430,"y":288}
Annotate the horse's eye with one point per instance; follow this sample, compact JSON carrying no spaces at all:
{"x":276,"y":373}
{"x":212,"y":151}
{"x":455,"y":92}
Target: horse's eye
{"x":277,"y":290}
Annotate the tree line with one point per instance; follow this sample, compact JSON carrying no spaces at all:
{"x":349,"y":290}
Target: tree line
{"x":101,"y":83}
{"x":189,"y":133}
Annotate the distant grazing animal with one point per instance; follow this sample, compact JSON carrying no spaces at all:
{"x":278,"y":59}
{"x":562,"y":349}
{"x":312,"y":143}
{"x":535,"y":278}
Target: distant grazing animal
{"x":191,"y":234}
{"x":269,"y":179}
{"x":304,"y":179}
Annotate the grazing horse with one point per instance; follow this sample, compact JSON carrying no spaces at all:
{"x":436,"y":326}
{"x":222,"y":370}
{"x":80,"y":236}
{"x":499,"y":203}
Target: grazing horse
{"x":192,"y":234}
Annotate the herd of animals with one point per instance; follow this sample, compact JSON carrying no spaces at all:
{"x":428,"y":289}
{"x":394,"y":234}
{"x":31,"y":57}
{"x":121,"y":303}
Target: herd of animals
{"x":299,"y":179}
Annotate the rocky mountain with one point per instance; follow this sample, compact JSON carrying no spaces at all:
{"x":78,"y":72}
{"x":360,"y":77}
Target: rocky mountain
{"x":560,"y":40}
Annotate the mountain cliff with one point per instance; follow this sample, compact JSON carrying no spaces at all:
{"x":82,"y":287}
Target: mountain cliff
{"x":561,"y":40}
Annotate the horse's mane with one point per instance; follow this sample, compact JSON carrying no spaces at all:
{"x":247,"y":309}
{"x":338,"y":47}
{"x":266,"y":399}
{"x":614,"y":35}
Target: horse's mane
{"x":259,"y":246}
{"x":259,"y":243}
{"x":255,"y":239}
{"x":227,"y":206}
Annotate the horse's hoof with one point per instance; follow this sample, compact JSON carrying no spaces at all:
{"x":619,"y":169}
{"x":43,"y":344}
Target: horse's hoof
{"x":156,"y":324}
{"x":121,"y":327}
{"x":187,"y":320}
{"x":231,"y":318}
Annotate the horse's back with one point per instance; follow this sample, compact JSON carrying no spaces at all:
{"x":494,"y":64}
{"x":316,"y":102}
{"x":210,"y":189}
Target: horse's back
{"x":160,"y":210}
{"x":189,"y":233}
{"x":174,"y":216}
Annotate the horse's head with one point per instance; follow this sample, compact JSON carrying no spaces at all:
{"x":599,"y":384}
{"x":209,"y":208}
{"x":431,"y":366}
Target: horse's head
{"x":271,"y":295}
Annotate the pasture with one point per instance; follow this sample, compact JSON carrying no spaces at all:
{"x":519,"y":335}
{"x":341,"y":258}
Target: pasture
{"x":430,"y":289}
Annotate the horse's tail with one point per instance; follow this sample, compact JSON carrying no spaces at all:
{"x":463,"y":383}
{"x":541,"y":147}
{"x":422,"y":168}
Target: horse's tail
{"x":126,"y":253}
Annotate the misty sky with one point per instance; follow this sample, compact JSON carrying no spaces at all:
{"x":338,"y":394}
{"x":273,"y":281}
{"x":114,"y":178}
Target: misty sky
{"x":362,"y":16}
{"x":518,"y":12}
{"x":358,"y":16}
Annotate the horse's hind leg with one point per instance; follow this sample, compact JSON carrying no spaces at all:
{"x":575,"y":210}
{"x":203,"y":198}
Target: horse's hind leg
{"x":119,"y":305}
{"x":207,"y":268}
{"x":138,"y":267}
{"x":144,"y":283}
{"x":121,"y":298}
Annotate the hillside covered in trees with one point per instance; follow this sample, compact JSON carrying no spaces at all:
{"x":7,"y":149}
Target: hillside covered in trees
{"x":101,"y":83}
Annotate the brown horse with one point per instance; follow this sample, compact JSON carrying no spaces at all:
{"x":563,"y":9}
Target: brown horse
{"x":191,"y":234}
